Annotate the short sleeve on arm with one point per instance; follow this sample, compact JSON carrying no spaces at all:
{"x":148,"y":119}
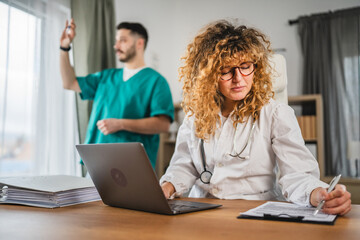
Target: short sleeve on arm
{"x":89,"y":85}
{"x":161,"y":102}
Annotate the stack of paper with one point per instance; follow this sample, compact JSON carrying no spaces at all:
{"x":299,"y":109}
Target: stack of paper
{"x":47,"y":191}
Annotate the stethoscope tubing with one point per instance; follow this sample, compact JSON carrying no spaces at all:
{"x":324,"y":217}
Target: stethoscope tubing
{"x":245,"y":146}
{"x":206,"y":175}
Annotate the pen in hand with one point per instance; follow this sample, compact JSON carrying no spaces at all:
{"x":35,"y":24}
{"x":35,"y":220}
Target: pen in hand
{"x":333,"y":183}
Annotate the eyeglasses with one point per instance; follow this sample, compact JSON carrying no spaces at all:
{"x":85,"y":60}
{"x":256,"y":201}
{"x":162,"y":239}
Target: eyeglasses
{"x":245,"y":69}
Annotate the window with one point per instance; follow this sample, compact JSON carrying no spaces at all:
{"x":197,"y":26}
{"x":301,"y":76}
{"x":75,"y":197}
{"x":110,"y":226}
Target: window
{"x":18,"y":71}
{"x":38,"y":126}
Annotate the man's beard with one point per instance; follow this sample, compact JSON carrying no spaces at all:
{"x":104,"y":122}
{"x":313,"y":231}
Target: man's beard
{"x":129,"y":54}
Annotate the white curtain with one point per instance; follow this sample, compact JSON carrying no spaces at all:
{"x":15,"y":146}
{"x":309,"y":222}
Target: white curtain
{"x":53,"y":120}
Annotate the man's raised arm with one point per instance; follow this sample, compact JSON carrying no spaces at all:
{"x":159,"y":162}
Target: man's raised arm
{"x":67,"y":71}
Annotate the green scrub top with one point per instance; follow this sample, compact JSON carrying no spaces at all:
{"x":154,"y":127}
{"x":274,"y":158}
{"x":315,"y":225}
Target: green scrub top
{"x":146,"y":94}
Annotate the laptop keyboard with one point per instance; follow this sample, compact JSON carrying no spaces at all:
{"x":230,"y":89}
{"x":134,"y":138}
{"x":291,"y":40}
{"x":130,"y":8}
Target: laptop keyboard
{"x":180,"y":206}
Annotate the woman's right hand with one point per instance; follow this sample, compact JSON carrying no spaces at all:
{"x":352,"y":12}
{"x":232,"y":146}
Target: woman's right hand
{"x":68,"y":34}
{"x":337,"y":201}
{"x":168,"y":189}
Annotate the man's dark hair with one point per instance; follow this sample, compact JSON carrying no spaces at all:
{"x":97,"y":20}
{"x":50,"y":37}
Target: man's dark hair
{"x":135,"y":28}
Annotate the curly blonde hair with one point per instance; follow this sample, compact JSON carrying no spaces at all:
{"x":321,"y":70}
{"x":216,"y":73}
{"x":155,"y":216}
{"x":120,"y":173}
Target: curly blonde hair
{"x":223,"y":44}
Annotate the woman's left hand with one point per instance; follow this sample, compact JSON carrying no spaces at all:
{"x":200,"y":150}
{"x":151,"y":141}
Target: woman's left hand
{"x":337,"y":201}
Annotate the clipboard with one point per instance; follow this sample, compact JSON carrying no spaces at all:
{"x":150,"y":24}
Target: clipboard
{"x":287,"y":212}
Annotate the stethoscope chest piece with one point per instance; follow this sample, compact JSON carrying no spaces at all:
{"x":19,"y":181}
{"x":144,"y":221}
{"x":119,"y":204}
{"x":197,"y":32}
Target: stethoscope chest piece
{"x":205,"y":176}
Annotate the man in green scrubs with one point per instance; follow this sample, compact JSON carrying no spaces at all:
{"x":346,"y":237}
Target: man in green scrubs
{"x":131,"y":104}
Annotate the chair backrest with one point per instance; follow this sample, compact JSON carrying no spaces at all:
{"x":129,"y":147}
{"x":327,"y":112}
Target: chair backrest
{"x":279,"y":79}
{"x":278,"y":63}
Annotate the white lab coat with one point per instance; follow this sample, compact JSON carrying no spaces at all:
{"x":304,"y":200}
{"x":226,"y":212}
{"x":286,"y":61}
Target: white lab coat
{"x":276,"y":143}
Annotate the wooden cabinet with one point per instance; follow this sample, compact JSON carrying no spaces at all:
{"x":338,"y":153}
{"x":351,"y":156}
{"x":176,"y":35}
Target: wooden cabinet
{"x":309,"y":112}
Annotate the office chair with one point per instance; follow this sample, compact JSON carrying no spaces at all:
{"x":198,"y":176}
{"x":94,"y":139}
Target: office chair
{"x":278,"y":63}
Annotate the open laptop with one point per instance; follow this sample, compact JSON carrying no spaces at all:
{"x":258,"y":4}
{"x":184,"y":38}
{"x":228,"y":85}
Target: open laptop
{"x":124,"y":178}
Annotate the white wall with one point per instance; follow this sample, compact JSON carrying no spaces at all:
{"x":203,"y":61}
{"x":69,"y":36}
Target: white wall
{"x":172,"y":25}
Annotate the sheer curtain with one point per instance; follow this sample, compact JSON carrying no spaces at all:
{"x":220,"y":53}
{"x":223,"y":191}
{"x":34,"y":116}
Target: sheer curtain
{"x":56,"y":113}
{"x":330,"y":45}
{"x":50,"y":125}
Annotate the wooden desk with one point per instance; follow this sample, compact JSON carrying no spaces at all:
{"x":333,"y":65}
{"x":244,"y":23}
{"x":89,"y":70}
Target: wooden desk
{"x":98,"y":221}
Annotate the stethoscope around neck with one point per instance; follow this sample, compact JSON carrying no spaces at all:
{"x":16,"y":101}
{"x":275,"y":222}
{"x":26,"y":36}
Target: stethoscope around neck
{"x":206,"y":175}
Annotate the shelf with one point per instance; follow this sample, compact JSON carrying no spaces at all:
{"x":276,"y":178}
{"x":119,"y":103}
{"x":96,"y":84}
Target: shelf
{"x":304,"y":98}
{"x":311,"y":124}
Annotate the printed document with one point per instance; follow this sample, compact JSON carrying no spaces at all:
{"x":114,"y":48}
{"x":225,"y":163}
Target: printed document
{"x":285,"y":210}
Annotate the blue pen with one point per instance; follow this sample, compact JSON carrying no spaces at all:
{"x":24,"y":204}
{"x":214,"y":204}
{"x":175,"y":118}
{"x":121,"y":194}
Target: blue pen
{"x":333,"y":183}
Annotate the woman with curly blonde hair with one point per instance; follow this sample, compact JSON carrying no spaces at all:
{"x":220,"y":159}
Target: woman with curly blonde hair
{"x":234,"y":135}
